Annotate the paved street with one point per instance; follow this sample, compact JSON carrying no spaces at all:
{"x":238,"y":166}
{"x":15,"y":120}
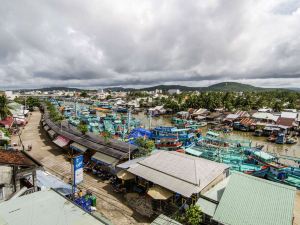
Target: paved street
{"x":109,"y":204}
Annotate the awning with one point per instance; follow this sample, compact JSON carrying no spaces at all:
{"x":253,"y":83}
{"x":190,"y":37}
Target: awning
{"x":77,"y":147}
{"x":61,"y":141}
{"x":51,"y":133}
{"x":125,"y":175}
{"x":159,"y":193}
{"x":46,"y":127}
{"x":106,"y":159}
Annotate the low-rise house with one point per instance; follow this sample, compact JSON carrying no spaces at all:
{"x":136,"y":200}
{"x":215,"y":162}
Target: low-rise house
{"x":263,"y":118}
{"x":214,"y":116}
{"x":183,"y":115}
{"x":265,"y":110}
{"x":157,"y":110}
{"x":17,"y":171}
{"x":174,"y":91}
{"x":288,"y":123}
{"x":199,"y":112}
{"x":4,"y":139}
{"x":174,"y":178}
{"x":7,"y":122}
{"x":290,"y":115}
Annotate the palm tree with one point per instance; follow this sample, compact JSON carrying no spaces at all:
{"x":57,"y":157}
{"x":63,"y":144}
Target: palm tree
{"x":4,"y":111}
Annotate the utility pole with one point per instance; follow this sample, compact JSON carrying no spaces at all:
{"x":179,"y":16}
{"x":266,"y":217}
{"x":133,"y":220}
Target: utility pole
{"x":75,"y":108}
{"x":150,"y":121}
{"x":129,"y":118}
{"x":24,"y":107}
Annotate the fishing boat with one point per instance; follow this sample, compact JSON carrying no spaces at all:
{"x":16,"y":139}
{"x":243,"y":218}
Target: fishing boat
{"x":280,"y":138}
{"x":122,"y":110}
{"x":171,"y":144}
{"x":103,"y":105}
{"x":186,"y":136}
{"x":258,"y":133}
{"x":291,"y":140}
{"x":272,"y":138}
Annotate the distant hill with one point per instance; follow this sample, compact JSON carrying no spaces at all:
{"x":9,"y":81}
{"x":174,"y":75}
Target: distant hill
{"x":52,"y":89}
{"x":232,"y":86}
{"x":168,"y":87}
{"x":119,"y":89}
{"x":222,"y":87}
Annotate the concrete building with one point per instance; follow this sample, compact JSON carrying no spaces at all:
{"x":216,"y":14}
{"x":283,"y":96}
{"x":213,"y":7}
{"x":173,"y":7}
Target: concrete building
{"x":17,"y":171}
{"x":174,"y":91}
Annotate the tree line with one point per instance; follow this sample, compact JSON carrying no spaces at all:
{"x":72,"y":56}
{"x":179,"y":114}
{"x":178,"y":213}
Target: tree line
{"x":230,"y":101}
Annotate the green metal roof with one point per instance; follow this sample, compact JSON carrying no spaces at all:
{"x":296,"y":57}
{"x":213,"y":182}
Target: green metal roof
{"x":250,"y":200}
{"x":44,"y":208}
{"x":164,"y":220}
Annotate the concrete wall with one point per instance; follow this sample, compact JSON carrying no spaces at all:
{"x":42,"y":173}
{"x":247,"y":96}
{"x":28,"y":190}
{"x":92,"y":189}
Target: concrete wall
{"x":215,"y":181}
{"x":6,"y":182}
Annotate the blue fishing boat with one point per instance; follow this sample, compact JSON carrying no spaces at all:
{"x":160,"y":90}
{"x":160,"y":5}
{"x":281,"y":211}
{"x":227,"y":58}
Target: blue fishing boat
{"x":185,"y":136}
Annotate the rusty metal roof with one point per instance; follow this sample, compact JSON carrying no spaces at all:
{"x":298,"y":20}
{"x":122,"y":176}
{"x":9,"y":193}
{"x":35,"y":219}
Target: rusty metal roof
{"x":16,"y":158}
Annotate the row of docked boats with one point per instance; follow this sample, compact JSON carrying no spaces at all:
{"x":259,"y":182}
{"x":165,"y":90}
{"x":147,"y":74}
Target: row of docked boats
{"x":115,"y":124}
{"x":243,"y":158}
{"x":278,"y":138}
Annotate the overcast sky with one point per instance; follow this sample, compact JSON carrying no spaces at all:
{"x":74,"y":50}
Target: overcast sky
{"x":93,"y":43}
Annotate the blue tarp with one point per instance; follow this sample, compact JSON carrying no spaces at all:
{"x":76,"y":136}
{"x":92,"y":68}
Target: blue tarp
{"x":139,"y":132}
{"x":46,"y":180}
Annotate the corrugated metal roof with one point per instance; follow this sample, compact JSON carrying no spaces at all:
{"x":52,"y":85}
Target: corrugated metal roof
{"x":105,"y":158}
{"x":178,"y":172}
{"x":46,"y":128}
{"x":51,"y":133}
{"x":44,"y":208}
{"x":128,"y":163}
{"x":78,"y":147}
{"x":61,"y":141}
{"x":291,"y":115}
{"x":47,"y":180}
{"x":114,"y":148}
{"x":265,"y":115}
{"x":164,"y":220}
{"x":255,"y":201}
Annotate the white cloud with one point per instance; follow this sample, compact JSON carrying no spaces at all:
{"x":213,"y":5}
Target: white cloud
{"x":139,"y":42}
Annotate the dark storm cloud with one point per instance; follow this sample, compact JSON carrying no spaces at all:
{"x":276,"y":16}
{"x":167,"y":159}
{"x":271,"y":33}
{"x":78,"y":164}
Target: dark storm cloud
{"x":145,"y":42}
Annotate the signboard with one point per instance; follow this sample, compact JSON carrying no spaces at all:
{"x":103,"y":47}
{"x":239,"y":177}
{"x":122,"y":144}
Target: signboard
{"x":77,"y":169}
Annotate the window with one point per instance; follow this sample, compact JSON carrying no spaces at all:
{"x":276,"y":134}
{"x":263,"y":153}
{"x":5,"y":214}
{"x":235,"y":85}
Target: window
{"x":1,"y":193}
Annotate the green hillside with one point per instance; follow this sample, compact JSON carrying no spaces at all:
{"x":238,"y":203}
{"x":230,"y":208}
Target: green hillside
{"x":232,"y":86}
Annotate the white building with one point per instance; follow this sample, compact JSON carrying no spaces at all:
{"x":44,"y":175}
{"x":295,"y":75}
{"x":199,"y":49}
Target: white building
{"x":10,"y":95}
{"x":174,"y":91}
